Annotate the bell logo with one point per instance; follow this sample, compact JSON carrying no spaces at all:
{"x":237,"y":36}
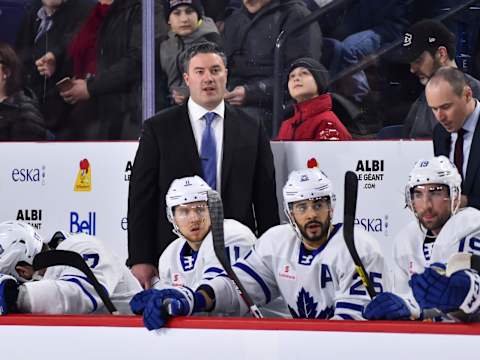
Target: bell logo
{"x":88,"y":226}
{"x":84,"y":177}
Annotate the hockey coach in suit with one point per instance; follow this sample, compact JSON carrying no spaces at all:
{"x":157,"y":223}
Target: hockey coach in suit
{"x":457,"y":135}
{"x":204,"y":137}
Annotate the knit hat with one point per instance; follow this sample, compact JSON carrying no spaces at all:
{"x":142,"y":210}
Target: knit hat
{"x":318,"y":71}
{"x":170,"y":5}
{"x":426,"y":35}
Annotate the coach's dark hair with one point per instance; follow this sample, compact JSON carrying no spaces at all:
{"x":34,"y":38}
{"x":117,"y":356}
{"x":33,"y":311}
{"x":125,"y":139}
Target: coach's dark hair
{"x":204,"y":47}
{"x":455,"y":77}
{"x":12,"y":68}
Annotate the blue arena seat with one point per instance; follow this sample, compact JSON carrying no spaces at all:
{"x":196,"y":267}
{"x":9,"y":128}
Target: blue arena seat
{"x":11,"y":14}
{"x":391,"y":132}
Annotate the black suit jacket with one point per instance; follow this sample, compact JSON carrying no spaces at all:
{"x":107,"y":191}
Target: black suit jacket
{"x":167,"y":151}
{"x":471,"y":183}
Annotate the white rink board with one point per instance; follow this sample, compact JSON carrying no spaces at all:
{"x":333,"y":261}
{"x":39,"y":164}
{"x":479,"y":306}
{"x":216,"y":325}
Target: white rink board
{"x":383,"y":171}
{"x":53,"y":167}
{"x":81,"y":343}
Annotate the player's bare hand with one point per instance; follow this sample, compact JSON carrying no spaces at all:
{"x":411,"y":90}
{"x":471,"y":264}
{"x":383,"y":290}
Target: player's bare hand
{"x":144,"y":274}
{"x":236,"y":97}
{"x":46,"y":64}
{"x":78,"y":92}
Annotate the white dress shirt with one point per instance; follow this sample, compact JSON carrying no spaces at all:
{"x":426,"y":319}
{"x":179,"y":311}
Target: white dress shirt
{"x":469,"y":126}
{"x":196,"y":113}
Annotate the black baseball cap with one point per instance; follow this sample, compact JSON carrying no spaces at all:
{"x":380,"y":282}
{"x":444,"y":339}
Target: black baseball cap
{"x":426,"y":35}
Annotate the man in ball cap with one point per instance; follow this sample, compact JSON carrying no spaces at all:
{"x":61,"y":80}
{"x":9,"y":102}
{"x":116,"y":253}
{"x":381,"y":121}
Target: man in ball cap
{"x":313,"y":118}
{"x":427,"y":46}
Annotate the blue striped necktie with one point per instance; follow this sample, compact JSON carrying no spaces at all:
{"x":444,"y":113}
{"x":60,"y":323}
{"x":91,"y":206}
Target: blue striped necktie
{"x":209,"y":151}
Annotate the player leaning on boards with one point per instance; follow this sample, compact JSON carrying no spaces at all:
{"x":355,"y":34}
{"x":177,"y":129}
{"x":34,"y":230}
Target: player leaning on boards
{"x":59,"y":289}
{"x":306,"y":262}
{"x":439,"y":230}
{"x":190,"y":259}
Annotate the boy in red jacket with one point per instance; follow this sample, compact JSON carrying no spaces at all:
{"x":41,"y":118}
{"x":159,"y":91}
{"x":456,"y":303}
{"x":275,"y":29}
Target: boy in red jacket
{"x":313,"y":118}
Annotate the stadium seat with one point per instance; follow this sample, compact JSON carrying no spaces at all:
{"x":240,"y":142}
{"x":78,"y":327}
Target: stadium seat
{"x":391,"y":132}
{"x":11,"y":14}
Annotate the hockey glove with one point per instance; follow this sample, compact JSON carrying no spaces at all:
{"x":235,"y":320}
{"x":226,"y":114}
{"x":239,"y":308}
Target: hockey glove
{"x":388,"y":306}
{"x":8,"y":294}
{"x":434,"y":290}
{"x":172,"y":301}
{"x":140,"y":300}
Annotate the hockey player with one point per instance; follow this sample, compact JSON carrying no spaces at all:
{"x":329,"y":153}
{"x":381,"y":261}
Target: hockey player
{"x":421,"y":250}
{"x":191,"y":258}
{"x":306,"y":262}
{"x":59,"y":289}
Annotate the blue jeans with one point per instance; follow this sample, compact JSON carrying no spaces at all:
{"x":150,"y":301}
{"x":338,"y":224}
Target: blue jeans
{"x":354,"y":48}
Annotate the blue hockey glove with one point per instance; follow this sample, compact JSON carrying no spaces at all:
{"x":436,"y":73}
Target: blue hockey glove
{"x":434,"y":290}
{"x":174,"y":301}
{"x":8,"y":294}
{"x":140,"y":300}
{"x":388,"y":306}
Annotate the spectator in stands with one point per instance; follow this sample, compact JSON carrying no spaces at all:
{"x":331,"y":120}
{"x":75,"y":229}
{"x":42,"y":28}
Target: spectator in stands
{"x":187,"y":27}
{"x":107,"y":62}
{"x":42,"y":44}
{"x":20,"y":117}
{"x":313,"y":118}
{"x":361,"y":27}
{"x":249,"y":38}
{"x":427,"y":46}
{"x":457,"y":135}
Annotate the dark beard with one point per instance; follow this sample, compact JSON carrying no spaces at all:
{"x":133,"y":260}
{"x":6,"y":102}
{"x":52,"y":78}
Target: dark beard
{"x":317,"y":238}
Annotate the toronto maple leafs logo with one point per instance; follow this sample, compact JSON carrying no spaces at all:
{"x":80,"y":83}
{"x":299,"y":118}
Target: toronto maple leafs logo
{"x":307,"y":308}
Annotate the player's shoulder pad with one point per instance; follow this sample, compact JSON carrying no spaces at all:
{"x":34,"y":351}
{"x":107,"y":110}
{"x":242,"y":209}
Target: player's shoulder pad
{"x":277,"y":237}
{"x":236,"y":233}
{"x":364,"y":240}
{"x":82,"y":243}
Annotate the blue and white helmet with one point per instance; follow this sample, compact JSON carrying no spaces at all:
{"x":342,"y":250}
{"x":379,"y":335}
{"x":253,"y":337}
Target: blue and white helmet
{"x":183,"y":191}
{"x":18,"y":242}
{"x":306,"y":184}
{"x":436,"y":170}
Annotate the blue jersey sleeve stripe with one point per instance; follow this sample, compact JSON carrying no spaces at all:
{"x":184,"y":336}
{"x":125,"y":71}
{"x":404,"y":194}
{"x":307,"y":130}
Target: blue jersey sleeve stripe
{"x":85,"y":291}
{"x":214,"y":270}
{"x":346,"y":317}
{"x":257,"y":278}
{"x":350,"y":306}
{"x":85,"y":279}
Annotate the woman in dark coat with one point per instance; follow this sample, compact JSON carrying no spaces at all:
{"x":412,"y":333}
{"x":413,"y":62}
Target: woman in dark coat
{"x":20,"y":117}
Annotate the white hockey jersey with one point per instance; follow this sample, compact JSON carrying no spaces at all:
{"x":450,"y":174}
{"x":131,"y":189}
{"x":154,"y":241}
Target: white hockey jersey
{"x":319,"y":284}
{"x":461,"y":233}
{"x":179,"y":265}
{"x":66,"y":290}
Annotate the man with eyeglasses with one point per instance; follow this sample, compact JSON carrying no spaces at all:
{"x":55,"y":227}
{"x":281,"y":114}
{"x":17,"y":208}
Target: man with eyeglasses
{"x":306,"y":262}
{"x":422,"y":249}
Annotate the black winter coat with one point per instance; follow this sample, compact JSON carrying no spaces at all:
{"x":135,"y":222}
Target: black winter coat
{"x":250,"y":42}
{"x":65,"y":23}
{"x":116,"y":88}
{"x":20,"y":119}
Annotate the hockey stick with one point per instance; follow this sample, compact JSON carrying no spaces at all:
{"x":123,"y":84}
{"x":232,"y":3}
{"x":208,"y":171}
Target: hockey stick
{"x":349,"y":209}
{"x":69,"y":258}
{"x":215,"y":208}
